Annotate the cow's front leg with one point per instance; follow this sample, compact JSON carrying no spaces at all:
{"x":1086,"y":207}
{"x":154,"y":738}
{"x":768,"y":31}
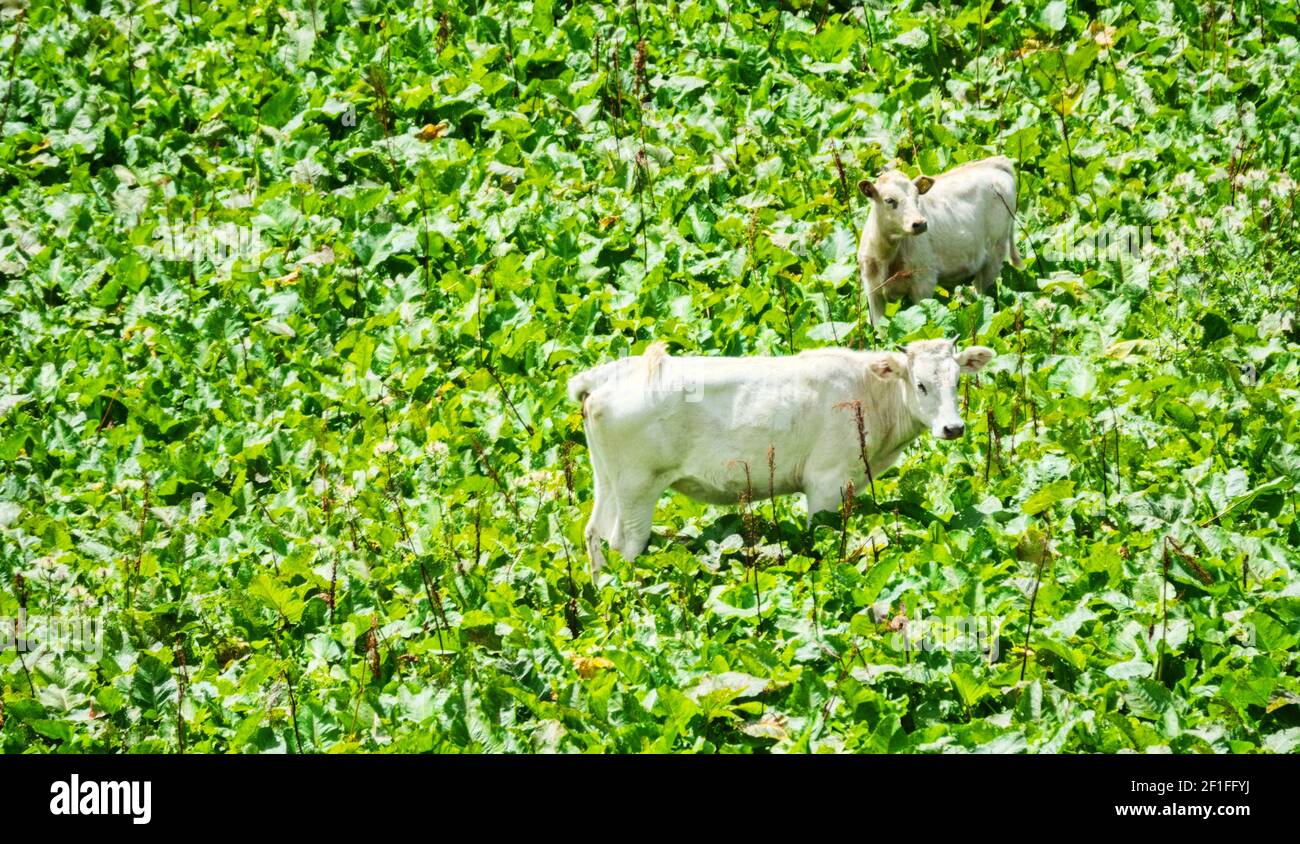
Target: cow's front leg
{"x":882,"y":462}
{"x":875,"y":299}
{"x":597,"y":529}
{"x":636,"y":510}
{"x":824,"y":493}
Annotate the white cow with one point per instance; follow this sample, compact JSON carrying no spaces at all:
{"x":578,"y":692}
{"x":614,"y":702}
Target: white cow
{"x":696,"y":423}
{"x":929,"y":231}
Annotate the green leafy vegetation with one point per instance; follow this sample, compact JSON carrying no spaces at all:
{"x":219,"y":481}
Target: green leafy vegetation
{"x":289,"y":293}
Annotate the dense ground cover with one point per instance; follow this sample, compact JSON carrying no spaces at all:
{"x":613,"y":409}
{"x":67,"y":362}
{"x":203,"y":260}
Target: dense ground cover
{"x":289,"y":293}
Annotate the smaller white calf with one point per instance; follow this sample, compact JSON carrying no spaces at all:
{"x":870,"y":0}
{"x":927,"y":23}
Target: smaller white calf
{"x":926,"y":231}
{"x":703,"y":425}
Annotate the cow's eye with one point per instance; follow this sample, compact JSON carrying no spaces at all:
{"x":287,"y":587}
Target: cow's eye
{"x":922,"y":388}
{"x":892,"y":203}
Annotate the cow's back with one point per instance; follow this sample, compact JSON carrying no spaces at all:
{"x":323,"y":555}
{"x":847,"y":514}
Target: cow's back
{"x":707,"y":417}
{"x":985,"y":184}
{"x":970,"y":211}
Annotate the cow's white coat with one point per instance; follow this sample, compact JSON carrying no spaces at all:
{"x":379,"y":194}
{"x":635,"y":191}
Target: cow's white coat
{"x":695,"y":424}
{"x":927,"y":231}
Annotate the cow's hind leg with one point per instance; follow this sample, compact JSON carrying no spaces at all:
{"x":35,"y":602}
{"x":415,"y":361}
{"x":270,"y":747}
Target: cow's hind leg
{"x":986,"y":278}
{"x":921,"y":285}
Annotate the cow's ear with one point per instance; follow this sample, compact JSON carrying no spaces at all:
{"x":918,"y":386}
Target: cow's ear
{"x":973,"y":359}
{"x":888,"y":365}
{"x":923,"y":183}
{"x":868,"y":189}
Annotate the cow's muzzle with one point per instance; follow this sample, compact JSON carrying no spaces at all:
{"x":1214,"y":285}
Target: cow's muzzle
{"x":919,"y":226}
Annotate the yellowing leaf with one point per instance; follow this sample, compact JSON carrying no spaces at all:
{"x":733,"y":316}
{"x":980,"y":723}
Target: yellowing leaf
{"x":1282,"y":700}
{"x":431,"y":132}
{"x":1103,"y":34}
{"x":292,"y":276}
{"x":1030,"y":45}
{"x":1033,"y":546}
{"x":1123,"y":348}
{"x":587,"y":666}
{"x":770,"y":726}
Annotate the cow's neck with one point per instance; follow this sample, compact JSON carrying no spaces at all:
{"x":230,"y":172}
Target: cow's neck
{"x":883,"y":247}
{"x":900,"y":430}
{"x":891,"y":425}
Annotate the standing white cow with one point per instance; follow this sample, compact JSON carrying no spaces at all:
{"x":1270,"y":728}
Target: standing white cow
{"x":695,"y":424}
{"x":928,"y":231}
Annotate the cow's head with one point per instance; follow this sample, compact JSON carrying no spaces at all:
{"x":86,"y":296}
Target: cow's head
{"x":930,"y":370}
{"x":894,"y":203}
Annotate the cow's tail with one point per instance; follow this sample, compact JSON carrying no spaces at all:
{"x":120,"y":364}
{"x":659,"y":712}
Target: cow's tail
{"x":1008,"y":166}
{"x":585,"y":383}
{"x":1002,"y":163}
{"x":654,"y":357}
